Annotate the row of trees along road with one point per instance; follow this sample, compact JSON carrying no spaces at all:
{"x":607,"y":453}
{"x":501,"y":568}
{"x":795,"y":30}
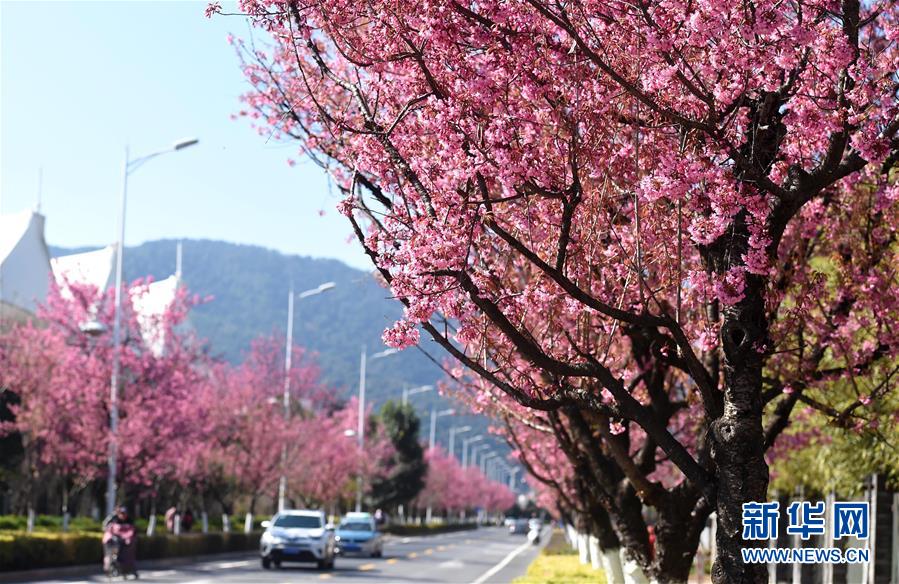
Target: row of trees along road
{"x":190,"y":425}
{"x":647,"y":230}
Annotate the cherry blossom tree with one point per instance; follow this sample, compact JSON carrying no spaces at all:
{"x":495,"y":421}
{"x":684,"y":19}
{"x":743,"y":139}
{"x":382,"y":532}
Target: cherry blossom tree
{"x":329,"y":462}
{"x":450,"y":487}
{"x":61,"y":377}
{"x":613,"y":212}
{"x":250,"y":427}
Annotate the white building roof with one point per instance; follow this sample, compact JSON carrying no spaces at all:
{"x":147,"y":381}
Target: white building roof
{"x":95,"y":268}
{"x":26,"y":268}
{"x":150,"y":307}
{"x":24,"y":262}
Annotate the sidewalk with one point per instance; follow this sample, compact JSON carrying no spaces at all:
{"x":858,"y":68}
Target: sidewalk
{"x":85,"y":570}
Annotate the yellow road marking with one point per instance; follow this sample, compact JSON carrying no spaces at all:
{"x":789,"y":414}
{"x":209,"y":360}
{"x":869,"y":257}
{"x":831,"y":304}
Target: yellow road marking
{"x":440,"y":548}
{"x":429,"y":551}
{"x":412,"y":555}
{"x":392,"y":561}
{"x":366,"y":567}
{"x":324,"y":576}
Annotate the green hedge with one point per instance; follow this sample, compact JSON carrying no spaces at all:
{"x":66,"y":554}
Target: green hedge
{"x":399,"y":529}
{"x":53,"y":523}
{"x":21,"y":551}
{"x":50,"y":523}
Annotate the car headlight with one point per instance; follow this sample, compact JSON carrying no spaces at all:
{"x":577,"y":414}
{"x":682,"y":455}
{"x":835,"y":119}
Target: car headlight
{"x":272,"y":539}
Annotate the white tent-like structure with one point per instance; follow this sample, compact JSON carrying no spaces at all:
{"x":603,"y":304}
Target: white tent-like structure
{"x":95,"y":268}
{"x":24,"y":265}
{"x":151,"y":306}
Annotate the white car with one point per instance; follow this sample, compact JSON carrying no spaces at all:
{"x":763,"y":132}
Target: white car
{"x":297,"y":536}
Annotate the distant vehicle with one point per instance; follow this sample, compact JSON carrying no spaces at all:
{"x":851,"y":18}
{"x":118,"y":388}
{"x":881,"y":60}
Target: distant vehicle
{"x":358,"y":534}
{"x":298,"y":536}
{"x":519,"y":526}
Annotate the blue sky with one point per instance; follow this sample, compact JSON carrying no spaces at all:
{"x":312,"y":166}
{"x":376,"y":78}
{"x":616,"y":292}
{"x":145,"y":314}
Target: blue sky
{"x":80,"y":80}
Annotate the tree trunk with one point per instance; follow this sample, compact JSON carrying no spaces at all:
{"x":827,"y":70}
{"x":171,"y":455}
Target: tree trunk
{"x":610,"y":547}
{"x":682,"y":514}
{"x":737,"y":437}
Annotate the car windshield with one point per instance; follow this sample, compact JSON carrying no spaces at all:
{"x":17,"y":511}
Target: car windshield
{"x":355,"y":526}
{"x":306,"y":521}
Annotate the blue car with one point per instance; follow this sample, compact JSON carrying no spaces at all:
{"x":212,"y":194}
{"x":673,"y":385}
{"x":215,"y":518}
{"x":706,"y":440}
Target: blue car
{"x":358,"y":534}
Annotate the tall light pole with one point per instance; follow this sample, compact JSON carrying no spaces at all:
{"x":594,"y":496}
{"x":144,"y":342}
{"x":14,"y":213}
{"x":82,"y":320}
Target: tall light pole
{"x":360,"y":430}
{"x":512,"y":473}
{"x":434,"y":415}
{"x":288,"y":358}
{"x":492,"y":468}
{"x":484,"y":460}
{"x":465,"y":443}
{"x":452,"y":442}
{"x":129,"y":167}
{"x":407,"y":393}
{"x":473,"y":460}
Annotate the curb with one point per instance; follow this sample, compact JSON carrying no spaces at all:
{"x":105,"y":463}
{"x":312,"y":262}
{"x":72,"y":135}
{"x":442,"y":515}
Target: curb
{"x":96,"y":569}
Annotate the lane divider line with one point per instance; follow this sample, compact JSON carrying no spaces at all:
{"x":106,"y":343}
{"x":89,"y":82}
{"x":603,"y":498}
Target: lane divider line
{"x":412,"y":555}
{"x":392,"y":561}
{"x":229,"y":565}
{"x":505,"y":562}
{"x":366,"y":567}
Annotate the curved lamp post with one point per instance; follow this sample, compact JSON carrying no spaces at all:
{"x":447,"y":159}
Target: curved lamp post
{"x":129,"y":167}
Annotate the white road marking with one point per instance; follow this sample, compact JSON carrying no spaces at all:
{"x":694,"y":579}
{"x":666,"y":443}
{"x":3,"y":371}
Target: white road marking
{"x":159,"y":573}
{"x":505,"y":562}
{"x":451,"y":564}
{"x":229,"y":565}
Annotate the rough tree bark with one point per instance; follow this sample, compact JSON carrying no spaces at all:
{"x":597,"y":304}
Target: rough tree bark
{"x":737,"y":436}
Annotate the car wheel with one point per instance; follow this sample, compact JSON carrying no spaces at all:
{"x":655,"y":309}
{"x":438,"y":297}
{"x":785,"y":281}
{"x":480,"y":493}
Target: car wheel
{"x":266,"y":563}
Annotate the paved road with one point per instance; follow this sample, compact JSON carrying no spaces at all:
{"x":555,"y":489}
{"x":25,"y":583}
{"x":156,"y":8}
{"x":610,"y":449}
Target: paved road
{"x":485,"y":556}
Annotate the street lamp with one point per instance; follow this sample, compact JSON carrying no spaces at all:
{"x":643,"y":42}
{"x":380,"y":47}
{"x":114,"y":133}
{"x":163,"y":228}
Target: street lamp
{"x":452,"y":441}
{"x":129,"y":167}
{"x":360,"y":431}
{"x":474,"y":453}
{"x":512,"y":473}
{"x":407,"y":393}
{"x":465,"y":443}
{"x":434,"y":415}
{"x":484,"y":460}
{"x":93,"y":328}
{"x":492,"y":468}
{"x":288,"y":354}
